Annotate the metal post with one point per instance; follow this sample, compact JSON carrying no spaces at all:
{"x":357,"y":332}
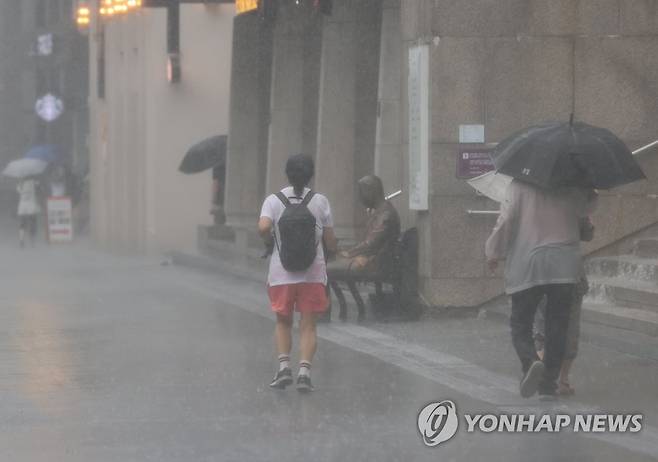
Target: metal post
{"x":483,"y":212}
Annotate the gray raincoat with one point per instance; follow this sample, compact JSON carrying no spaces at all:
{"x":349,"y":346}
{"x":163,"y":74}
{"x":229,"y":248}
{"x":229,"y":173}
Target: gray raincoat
{"x":538,"y":235}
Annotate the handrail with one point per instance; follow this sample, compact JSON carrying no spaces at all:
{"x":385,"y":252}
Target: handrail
{"x":392,"y":195}
{"x":483,"y":212}
{"x":644,"y":148}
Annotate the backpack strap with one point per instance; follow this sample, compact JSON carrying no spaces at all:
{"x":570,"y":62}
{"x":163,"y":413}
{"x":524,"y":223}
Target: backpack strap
{"x":308,"y":198}
{"x":286,"y":202}
{"x":282,"y":197}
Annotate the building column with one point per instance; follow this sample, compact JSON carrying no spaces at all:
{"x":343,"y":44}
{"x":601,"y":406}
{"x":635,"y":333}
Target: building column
{"x":390,"y":154}
{"x":248,"y":120}
{"x":337,"y":117}
{"x":286,"y":135}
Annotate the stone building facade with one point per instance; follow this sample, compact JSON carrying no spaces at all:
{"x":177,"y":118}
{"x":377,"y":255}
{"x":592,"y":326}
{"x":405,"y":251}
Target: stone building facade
{"x":337,"y":86}
{"x":42,"y":51}
{"x":142,"y":124}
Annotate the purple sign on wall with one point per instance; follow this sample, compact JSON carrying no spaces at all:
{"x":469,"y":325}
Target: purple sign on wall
{"x":472,"y":162}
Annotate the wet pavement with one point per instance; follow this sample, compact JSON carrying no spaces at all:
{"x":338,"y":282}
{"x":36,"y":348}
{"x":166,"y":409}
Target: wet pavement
{"x":109,"y":358}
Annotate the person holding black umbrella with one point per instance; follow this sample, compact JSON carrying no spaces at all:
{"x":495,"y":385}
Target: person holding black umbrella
{"x":538,"y":236}
{"x":209,"y":154}
{"x":556,"y":168}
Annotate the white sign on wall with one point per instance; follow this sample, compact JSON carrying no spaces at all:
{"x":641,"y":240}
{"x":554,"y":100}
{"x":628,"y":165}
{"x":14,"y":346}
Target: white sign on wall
{"x":471,"y":133}
{"x":419,"y":127}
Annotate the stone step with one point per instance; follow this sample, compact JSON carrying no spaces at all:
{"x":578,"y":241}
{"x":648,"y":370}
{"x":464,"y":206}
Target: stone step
{"x":623,"y":292}
{"x":637,"y":320}
{"x":646,"y":248}
{"x":628,"y":267}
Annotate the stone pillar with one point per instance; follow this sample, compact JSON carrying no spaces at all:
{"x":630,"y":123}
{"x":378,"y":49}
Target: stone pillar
{"x":390,"y":154}
{"x":336,"y":119}
{"x":368,"y":38}
{"x":245,"y":171}
{"x":287,"y":96}
{"x":312,"y":52}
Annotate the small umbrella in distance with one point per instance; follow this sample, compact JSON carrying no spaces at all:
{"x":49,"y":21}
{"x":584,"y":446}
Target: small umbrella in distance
{"x":567,"y":154}
{"x":207,"y":154}
{"x":45,"y":152}
{"x":22,"y":168}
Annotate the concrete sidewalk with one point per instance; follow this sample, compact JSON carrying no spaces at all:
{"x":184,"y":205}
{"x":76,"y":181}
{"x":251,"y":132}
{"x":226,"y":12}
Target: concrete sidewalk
{"x":616,"y":368}
{"x":132,"y":358}
{"x":110,"y":358}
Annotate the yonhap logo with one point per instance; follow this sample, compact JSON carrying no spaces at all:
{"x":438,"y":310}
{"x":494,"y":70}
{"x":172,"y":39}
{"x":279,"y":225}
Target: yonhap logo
{"x":438,"y":422}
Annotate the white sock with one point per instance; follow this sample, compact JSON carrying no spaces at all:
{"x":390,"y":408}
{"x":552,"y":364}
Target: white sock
{"x":305,"y":368}
{"x":284,"y":361}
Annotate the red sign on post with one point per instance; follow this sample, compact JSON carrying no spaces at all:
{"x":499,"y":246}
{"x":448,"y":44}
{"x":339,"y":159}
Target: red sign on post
{"x":472,"y":162}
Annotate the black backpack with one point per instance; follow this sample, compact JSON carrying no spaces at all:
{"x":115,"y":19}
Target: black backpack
{"x":297,"y":249}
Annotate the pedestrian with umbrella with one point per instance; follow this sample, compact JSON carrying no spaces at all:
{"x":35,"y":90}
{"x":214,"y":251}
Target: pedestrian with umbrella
{"x":48,"y":153}
{"x":28,"y":209}
{"x":209,"y":154}
{"x":556,"y":168}
{"x":204,"y":155}
{"x":27,"y":170}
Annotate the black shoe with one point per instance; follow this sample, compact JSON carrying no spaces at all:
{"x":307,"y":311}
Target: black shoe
{"x":531,"y":380}
{"x":282,"y":379}
{"x":547,"y":391}
{"x":304,"y":384}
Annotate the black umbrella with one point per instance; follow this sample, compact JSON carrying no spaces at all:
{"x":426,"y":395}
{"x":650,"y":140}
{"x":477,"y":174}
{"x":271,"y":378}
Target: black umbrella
{"x":209,"y":153}
{"x":567,"y":154}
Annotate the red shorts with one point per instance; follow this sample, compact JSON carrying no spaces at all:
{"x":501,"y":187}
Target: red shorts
{"x":305,"y":297}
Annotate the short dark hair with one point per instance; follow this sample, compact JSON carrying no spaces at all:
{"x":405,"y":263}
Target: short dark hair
{"x":299,"y":170}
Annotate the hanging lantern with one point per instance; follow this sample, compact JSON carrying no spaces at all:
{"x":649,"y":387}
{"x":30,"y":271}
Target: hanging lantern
{"x":245,"y":6}
{"x":107,"y":8}
{"x":120,"y":6}
{"x":134,"y":3}
{"x":83,"y":16}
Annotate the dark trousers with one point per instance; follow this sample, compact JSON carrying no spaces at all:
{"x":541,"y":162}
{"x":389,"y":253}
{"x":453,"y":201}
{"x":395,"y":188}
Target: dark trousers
{"x":524,"y":306}
{"x":28,"y":223}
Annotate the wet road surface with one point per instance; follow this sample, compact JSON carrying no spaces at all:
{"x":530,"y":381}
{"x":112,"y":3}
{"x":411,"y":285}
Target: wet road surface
{"x":123,"y":359}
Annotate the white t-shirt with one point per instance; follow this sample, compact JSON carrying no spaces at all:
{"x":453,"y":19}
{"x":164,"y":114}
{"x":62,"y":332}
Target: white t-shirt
{"x":27,"y":203}
{"x":319,"y":206}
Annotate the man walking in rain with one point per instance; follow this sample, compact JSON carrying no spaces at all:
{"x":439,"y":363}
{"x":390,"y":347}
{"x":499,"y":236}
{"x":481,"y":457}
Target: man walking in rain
{"x":538,"y":236}
{"x":297,"y":224}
